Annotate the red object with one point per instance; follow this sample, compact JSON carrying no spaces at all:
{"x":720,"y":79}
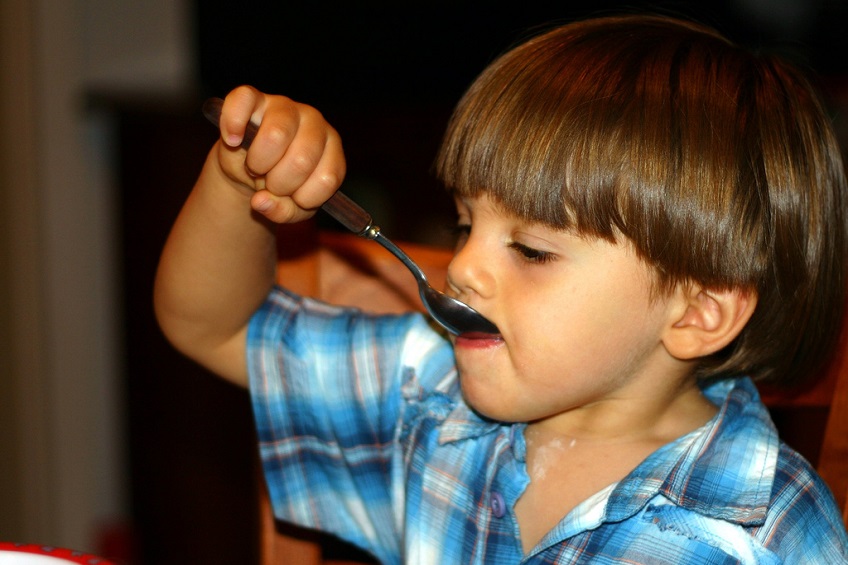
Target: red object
{"x":70,"y":555}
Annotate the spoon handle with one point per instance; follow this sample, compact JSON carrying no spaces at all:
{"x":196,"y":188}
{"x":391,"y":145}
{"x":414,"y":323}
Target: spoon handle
{"x":351,"y":215}
{"x":339,"y":206}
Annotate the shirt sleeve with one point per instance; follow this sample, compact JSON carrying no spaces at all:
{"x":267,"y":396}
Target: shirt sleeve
{"x":326,"y":390}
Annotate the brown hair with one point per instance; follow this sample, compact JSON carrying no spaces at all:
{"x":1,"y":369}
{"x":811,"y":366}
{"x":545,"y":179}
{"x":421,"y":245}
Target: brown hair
{"x":720,"y":166}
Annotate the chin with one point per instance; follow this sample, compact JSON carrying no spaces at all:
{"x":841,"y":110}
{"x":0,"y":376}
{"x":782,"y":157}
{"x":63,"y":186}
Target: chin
{"x":483,"y":404}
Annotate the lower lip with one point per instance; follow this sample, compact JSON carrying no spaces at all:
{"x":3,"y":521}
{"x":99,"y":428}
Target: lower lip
{"x":478,"y":341}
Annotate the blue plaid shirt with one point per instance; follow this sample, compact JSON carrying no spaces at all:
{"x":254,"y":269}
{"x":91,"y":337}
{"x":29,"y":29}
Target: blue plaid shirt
{"x":363,"y":434}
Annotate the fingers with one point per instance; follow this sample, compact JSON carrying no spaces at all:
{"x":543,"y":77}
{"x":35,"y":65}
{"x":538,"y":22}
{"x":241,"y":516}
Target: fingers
{"x":286,"y":207}
{"x":295,"y":162}
{"x":294,"y":143}
{"x":278,"y":209}
{"x":280,"y":124}
{"x":242,"y":105}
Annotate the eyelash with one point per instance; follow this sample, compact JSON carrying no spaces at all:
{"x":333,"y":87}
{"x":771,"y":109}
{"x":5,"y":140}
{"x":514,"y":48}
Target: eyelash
{"x":461,"y":229}
{"x":529,"y":254}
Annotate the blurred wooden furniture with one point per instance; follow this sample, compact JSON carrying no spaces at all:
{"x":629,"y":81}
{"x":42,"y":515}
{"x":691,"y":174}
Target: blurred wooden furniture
{"x":345,"y":269}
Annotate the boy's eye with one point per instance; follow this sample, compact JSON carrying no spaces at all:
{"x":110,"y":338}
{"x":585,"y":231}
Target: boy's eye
{"x":530,"y":254}
{"x":461,"y":233}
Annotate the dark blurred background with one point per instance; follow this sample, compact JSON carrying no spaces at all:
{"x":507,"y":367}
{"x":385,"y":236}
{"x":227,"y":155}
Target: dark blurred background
{"x":386,"y":75}
{"x":418,"y":53}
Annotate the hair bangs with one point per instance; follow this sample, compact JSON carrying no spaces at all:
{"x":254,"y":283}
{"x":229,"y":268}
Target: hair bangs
{"x":539,"y":142}
{"x":581,"y":130}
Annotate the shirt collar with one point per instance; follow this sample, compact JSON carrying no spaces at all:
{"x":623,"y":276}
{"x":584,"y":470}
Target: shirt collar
{"x":463,"y":423}
{"x":725,"y":469}
{"x":444,"y":402}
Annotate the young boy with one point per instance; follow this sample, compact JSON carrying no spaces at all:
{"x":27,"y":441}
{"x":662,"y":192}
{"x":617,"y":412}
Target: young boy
{"x":650,"y":215}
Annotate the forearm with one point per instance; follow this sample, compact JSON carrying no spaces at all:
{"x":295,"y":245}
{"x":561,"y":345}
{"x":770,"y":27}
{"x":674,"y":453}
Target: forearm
{"x":219,"y":261}
{"x":217,"y":267}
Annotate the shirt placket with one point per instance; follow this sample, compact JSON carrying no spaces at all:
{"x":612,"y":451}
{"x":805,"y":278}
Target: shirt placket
{"x":506,"y":479}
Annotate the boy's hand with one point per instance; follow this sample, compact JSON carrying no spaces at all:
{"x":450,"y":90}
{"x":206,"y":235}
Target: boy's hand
{"x":294,"y":164}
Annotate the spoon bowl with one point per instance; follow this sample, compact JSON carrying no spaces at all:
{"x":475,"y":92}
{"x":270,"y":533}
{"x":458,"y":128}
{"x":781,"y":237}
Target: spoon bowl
{"x":456,"y":317}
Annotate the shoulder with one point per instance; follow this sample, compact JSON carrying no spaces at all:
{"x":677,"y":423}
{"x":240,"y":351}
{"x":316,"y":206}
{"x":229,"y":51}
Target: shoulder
{"x":790,"y":517}
{"x":288,"y":318}
{"x":312,"y":341}
{"x":741,"y":472}
{"x":802,"y":523}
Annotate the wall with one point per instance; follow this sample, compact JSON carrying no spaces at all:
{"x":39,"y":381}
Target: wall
{"x":62,"y":476}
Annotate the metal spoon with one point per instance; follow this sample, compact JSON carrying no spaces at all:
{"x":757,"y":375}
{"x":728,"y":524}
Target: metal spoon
{"x":455,"y":316}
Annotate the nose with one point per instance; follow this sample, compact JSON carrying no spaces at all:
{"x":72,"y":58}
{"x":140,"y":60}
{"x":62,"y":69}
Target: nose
{"x":470,"y":273}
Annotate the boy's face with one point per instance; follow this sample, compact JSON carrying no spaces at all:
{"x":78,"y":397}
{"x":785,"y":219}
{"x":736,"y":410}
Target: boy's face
{"x":580,"y":325}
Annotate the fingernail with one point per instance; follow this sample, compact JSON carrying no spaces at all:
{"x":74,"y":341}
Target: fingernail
{"x":261,"y":203}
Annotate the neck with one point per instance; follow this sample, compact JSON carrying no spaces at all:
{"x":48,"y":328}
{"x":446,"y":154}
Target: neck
{"x":647,"y":415}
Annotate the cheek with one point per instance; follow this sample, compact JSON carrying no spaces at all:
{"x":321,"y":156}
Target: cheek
{"x":588,"y":332}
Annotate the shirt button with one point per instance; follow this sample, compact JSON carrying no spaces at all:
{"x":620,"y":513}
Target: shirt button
{"x":498,"y":505}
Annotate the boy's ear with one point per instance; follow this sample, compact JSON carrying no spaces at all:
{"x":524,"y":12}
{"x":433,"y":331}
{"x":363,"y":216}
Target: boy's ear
{"x":707,"y":320}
